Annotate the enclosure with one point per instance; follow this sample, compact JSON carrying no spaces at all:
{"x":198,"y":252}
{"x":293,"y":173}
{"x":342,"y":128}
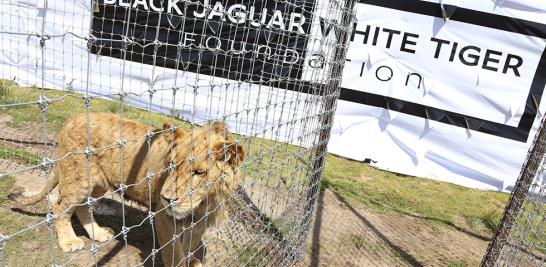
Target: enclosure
{"x":268,"y":70}
{"x":130,"y":73}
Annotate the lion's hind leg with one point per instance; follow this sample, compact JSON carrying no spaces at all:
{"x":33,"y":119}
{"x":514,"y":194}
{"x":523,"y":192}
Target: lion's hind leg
{"x":95,"y":232}
{"x":68,"y":241}
{"x":73,"y":191}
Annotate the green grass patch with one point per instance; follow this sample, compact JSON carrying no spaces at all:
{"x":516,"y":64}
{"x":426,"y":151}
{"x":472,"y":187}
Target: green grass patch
{"x":6,"y":183}
{"x":352,"y":241}
{"x":530,"y":228}
{"x":456,"y":263}
{"x":5,"y":91}
{"x":17,"y":154}
{"x":286,"y":228}
{"x":249,"y":256}
{"x":72,"y":103}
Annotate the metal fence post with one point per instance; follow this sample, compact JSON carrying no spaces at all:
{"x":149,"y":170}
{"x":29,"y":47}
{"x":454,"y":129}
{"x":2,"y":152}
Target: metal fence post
{"x":518,"y":196}
{"x":328,"y":107}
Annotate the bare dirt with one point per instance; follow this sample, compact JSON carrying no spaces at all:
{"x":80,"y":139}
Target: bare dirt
{"x":30,"y":138}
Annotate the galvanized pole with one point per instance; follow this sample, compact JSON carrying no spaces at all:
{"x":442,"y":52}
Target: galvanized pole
{"x":330,"y":97}
{"x":513,"y":208}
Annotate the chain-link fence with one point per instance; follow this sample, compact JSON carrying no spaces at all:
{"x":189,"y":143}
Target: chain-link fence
{"x":149,"y":119}
{"x":521,"y":234}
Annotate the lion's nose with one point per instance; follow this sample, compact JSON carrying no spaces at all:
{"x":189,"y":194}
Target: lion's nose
{"x":169,"y":199}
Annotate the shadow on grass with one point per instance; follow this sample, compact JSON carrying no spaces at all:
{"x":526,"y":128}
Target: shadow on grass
{"x":444,"y":222}
{"x":325,"y":185}
{"x":431,"y":219}
{"x":405,"y":256}
{"x":315,"y":249}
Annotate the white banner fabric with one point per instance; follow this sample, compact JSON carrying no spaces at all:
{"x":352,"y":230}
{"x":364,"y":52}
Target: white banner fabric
{"x":443,"y":94}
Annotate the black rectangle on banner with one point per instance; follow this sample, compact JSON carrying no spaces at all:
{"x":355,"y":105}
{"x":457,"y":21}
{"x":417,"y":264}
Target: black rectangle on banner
{"x":260,"y":41}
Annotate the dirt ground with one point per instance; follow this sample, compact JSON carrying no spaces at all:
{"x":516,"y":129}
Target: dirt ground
{"x":29,"y":138}
{"x":342,"y":234}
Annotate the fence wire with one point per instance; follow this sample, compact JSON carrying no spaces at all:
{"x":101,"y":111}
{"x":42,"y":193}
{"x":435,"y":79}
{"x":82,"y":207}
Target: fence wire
{"x":520,"y":238}
{"x":138,"y":59}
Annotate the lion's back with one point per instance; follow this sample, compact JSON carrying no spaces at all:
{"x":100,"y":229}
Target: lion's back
{"x":103,"y":139}
{"x":100,"y":129}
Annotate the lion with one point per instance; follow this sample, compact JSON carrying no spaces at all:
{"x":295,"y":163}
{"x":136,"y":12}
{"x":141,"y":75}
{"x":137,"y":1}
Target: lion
{"x":184,"y":176}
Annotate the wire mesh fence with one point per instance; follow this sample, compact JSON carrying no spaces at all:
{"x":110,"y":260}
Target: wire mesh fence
{"x":176,"y":132}
{"x":520,"y":238}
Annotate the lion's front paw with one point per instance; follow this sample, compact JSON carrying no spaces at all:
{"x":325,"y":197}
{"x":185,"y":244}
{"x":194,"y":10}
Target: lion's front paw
{"x":71,"y":244}
{"x":195,"y":263}
{"x":102,"y":234}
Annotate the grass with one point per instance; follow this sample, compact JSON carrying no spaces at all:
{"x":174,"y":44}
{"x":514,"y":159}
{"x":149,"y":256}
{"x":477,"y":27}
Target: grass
{"x":250,"y":256}
{"x":24,"y":249}
{"x":524,"y":237}
{"x":58,"y":112}
{"x":286,"y":228}
{"x":27,"y":158}
{"x":6,"y":183}
{"x":5,"y":90}
{"x":352,"y":241}
{"x":456,"y":263}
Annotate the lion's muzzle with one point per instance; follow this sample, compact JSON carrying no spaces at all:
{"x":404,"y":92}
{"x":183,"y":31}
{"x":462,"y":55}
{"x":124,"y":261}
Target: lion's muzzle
{"x":175,"y":208}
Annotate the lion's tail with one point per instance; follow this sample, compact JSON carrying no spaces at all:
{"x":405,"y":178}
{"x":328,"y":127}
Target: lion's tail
{"x":52,"y":183}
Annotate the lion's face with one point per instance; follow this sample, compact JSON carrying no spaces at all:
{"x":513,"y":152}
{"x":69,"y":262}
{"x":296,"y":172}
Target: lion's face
{"x":206,"y":170}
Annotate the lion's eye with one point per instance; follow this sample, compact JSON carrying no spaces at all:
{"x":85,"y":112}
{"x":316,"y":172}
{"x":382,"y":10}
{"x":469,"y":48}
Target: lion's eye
{"x":198,"y":172}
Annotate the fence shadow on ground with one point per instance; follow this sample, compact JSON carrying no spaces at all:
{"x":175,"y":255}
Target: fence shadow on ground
{"x":443,"y":222}
{"x":406,"y":256}
{"x":315,"y":247}
{"x":343,"y":233}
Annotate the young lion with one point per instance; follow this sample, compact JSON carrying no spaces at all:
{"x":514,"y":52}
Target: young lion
{"x":193,"y":172}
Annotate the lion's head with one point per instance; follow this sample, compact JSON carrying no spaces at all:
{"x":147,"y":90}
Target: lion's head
{"x":206,"y":169}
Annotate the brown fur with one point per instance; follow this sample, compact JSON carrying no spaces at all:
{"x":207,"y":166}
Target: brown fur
{"x":215,"y":157}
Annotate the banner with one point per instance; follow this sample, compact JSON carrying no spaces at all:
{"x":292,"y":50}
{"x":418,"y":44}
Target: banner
{"x":449,"y":90}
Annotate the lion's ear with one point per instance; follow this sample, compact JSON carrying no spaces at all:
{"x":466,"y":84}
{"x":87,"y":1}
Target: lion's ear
{"x":218,"y":127}
{"x":178,"y":133}
{"x":230,"y":152}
